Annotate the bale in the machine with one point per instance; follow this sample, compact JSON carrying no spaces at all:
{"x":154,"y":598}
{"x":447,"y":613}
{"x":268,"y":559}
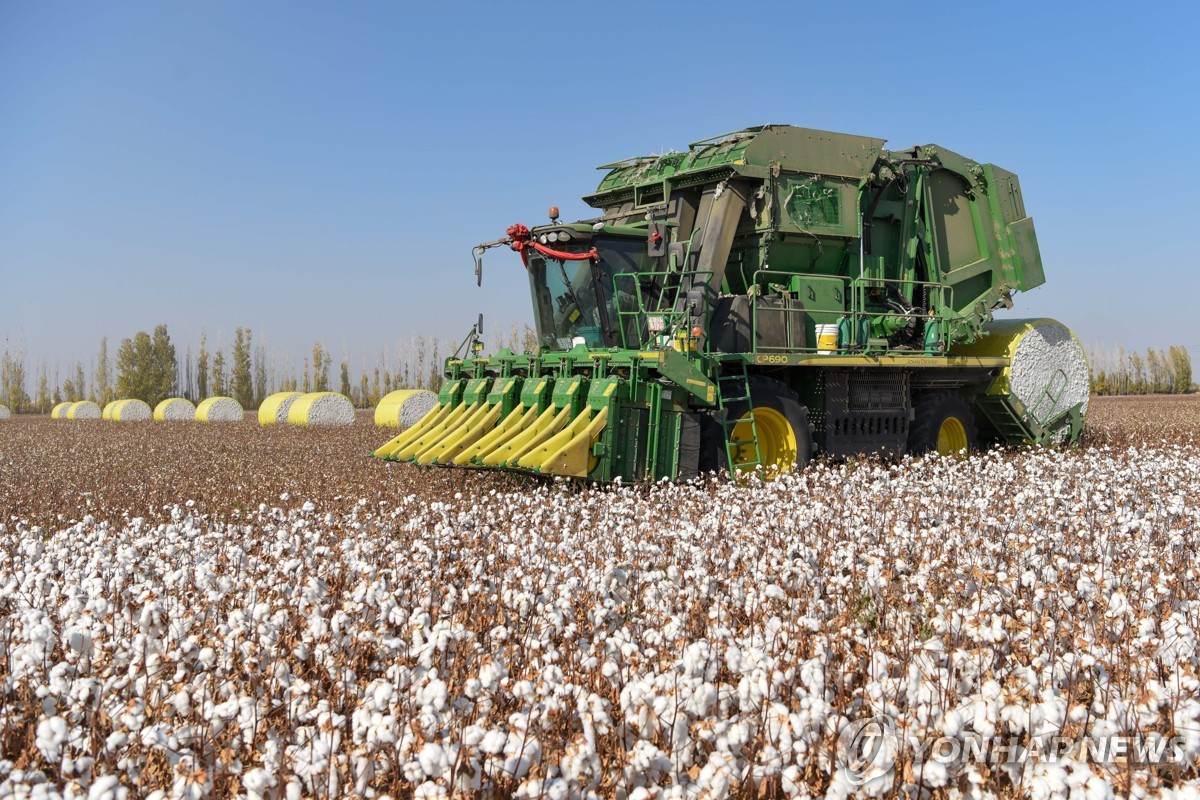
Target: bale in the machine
{"x":4,"y":412}
{"x":130,"y":411}
{"x":404,"y":408}
{"x":274,"y":409}
{"x":60,"y":410}
{"x":220,"y":409}
{"x":321,"y":408}
{"x":175,"y":409}
{"x":84,"y":409}
{"x":1048,"y":373}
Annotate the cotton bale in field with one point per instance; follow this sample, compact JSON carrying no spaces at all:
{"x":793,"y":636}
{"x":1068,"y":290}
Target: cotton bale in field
{"x":321,"y":408}
{"x":175,"y":409}
{"x":220,"y":409}
{"x":4,"y":412}
{"x":84,"y":409}
{"x":403,"y":408}
{"x":130,"y":411}
{"x":274,"y":409}
{"x":108,"y":409}
{"x":60,"y":410}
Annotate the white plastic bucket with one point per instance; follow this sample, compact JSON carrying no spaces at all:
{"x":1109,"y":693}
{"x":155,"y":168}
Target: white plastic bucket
{"x":827,"y":339}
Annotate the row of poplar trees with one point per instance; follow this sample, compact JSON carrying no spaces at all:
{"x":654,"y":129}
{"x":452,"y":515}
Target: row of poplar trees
{"x":1157,"y":372}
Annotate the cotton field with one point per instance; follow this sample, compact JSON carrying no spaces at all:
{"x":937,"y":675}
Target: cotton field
{"x":219,"y":611}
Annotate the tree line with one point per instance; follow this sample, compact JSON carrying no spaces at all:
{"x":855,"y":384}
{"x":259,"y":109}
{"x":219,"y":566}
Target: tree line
{"x":147,"y":366}
{"x":1156,"y":372}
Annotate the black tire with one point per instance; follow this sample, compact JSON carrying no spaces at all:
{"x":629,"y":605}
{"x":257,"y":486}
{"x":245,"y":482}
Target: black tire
{"x":768,"y":393}
{"x":934,"y":410}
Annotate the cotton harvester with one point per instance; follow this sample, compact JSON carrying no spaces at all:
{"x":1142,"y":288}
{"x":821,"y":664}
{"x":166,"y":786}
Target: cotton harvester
{"x":767,"y":295}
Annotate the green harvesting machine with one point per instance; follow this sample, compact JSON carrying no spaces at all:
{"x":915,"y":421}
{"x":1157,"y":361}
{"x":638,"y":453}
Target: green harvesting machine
{"x":767,"y":295}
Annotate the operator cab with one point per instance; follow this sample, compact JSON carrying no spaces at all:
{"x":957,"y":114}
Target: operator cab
{"x":593,"y":299}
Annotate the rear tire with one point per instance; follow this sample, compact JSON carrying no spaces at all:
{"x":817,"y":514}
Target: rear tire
{"x":784,"y":432}
{"x":944,"y":424}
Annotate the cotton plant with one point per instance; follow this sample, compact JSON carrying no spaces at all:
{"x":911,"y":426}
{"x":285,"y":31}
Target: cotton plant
{"x":679,"y":641}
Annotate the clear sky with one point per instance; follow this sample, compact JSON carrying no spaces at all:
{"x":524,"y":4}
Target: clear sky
{"x":321,"y":170}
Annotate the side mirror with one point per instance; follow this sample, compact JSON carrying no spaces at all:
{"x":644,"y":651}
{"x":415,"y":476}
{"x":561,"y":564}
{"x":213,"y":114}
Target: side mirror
{"x":479,"y":325}
{"x":477,"y":252}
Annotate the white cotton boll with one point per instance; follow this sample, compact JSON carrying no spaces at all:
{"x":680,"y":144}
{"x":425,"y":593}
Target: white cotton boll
{"x":107,"y":787}
{"x":430,"y":791}
{"x":737,"y":661}
{"x":933,"y":773}
{"x":702,"y":699}
{"x":433,"y":695}
{"x":952,"y":723}
{"x":434,"y":760}
{"x":493,"y":742}
{"x":717,"y":776}
{"x":258,"y":783}
{"x":1049,"y":781}
{"x":50,"y":737}
{"x":1118,"y":606}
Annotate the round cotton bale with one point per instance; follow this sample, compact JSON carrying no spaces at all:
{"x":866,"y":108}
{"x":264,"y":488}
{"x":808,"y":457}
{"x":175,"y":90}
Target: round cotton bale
{"x":84,"y":409}
{"x":220,"y":409}
{"x":4,"y":412}
{"x":108,"y":409}
{"x":321,"y":408}
{"x":274,"y":409}
{"x":60,"y":410}
{"x":403,"y":408}
{"x":1049,"y":370}
{"x":175,"y":409}
{"x":131,"y":411}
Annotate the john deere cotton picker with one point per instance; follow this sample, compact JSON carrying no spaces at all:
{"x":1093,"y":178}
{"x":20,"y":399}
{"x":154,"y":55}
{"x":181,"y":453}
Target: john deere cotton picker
{"x":766,"y":295}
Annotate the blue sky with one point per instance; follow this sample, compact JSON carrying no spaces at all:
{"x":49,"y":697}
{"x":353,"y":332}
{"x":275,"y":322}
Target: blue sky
{"x":320,"y":171}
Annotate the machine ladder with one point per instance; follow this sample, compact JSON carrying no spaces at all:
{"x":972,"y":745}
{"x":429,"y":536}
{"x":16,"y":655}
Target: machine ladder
{"x":732,"y":389}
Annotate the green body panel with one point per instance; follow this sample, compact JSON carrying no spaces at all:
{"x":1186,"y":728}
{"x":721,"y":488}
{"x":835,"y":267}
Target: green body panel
{"x":735,"y":253}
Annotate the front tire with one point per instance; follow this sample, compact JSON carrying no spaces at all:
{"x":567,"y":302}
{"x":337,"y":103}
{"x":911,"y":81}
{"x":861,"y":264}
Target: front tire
{"x":943,"y":424}
{"x":781,"y":420}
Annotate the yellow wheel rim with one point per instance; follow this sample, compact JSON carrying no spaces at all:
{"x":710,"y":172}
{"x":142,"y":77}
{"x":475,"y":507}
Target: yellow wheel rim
{"x":952,"y":437}
{"x":776,"y":441}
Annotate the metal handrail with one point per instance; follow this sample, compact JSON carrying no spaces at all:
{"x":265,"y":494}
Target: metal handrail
{"x":668,"y":306}
{"x":854,"y":289}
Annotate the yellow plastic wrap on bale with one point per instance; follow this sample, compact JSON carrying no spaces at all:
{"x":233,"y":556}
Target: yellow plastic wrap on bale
{"x":206,"y":408}
{"x":108,"y":409}
{"x":387,"y":412}
{"x":1002,"y":340}
{"x":60,"y":411}
{"x":268,"y":412}
{"x":161,"y":410}
{"x":80,"y":410}
{"x":123,"y":408}
{"x":301,"y":408}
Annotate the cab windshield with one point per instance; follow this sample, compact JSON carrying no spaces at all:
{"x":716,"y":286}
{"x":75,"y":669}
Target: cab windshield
{"x":574,"y":299}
